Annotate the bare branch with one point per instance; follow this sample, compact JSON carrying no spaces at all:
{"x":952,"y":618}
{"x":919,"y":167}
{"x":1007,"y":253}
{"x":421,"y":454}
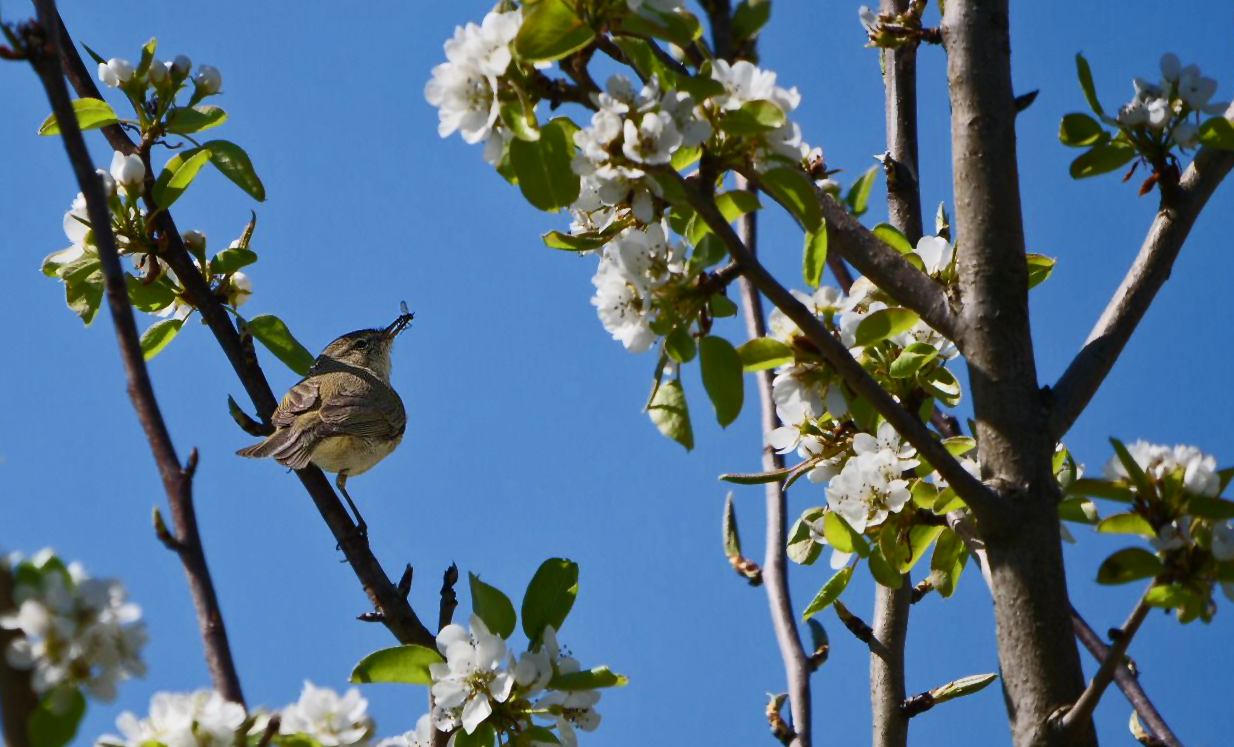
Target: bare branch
{"x":177,"y":482}
{"x":1180,"y":206}
{"x":905,"y":423}
{"x":449,"y":600}
{"x":797,"y":666}
{"x":397,"y":614}
{"x":17,"y":697}
{"x":1079,"y":716}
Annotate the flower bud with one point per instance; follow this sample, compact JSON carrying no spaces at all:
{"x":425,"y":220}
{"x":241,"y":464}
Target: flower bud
{"x":158,"y":73}
{"x":239,"y":290}
{"x":128,"y":171}
{"x":181,"y":65}
{"x":208,"y":79}
{"x":115,"y":72}
{"x":195,"y":241}
{"x":109,"y":184}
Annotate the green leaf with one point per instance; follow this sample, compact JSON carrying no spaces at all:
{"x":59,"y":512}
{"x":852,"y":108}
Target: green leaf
{"x":590,"y":679}
{"x":1131,"y":564}
{"x":753,"y":118}
{"x":757,"y":478}
{"x":484,"y":735}
{"x":1166,"y":596}
{"x":1127,"y":523}
{"x":536,"y":733}
{"x":920,"y":537}
{"x":83,"y":286}
{"x":1139,"y":480}
{"x":1207,"y":507}
{"x":682,"y":29}
{"x":147,"y":57}
{"x":1081,"y":131}
{"x":543,"y":167}
{"x":491,"y":606}
{"x":912,"y":359}
{"x":763,"y":353}
{"x":1102,"y":159}
{"x":882,"y":570}
{"x":961,"y":687}
{"x":55,"y":719}
{"x":403,"y":664}
{"x":157,"y":337}
{"x":858,"y":197}
{"x":1079,"y":510}
{"x":270,"y":331}
{"x":708,"y":251}
{"x":91,"y":115}
{"x":749,"y":17}
{"x":1040,"y":268}
{"x":721,"y":306}
{"x":942,"y":385}
{"x":701,"y":87}
{"x":891,"y":236}
{"x":815,"y":255}
{"x":150,"y":297}
{"x":550,"y":596}
{"x":830,"y":592}
{"x":230,"y":260}
{"x":947,"y":562}
{"x":231,"y":160}
{"x":520,"y":120}
{"x":670,"y":414}
{"x":178,"y":174}
{"x":736,"y":202}
{"x":196,"y":119}
{"x":682,"y":159}
{"x":802,"y":547}
{"x":551,"y":30}
{"x":1100,"y":489}
{"x":1085,"y":74}
{"x":1217,"y":132}
{"x":680,"y":345}
{"x":722,"y":377}
{"x":885,"y":323}
{"x":794,"y":190}
{"x":841,"y":536}
{"x":575,"y":242}
{"x":645,"y":61}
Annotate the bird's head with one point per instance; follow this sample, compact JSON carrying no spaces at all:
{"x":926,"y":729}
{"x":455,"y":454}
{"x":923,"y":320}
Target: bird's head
{"x":367,"y":348}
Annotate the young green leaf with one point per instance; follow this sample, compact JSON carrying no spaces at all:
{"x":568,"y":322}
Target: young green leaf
{"x":1102,"y":159}
{"x":404,"y":664}
{"x":1079,"y":510}
{"x":1217,"y":132}
{"x":762,"y":353}
{"x":520,"y":120}
{"x":1040,"y":268}
{"x":83,"y":286}
{"x":753,"y":118}
{"x":912,"y":359}
{"x":830,"y":592}
{"x":947,"y":562}
{"x":91,"y":115}
{"x":885,"y":323}
{"x":231,"y":160}
{"x":722,"y":377}
{"x":1085,"y":74}
{"x":483,"y":736}
{"x":891,"y":236}
{"x":795,"y":191}
{"x":961,"y":687}
{"x":178,"y":175}
{"x":1081,"y":131}
{"x":230,"y":260}
{"x":749,"y":17}
{"x":736,"y":202}
{"x":757,"y":478}
{"x":574,"y":242}
{"x":590,"y":679}
{"x":883,"y":570}
{"x":942,"y":385}
{"x":551,"y":30}
{"x":543,"y":167}
{"x":1100,"y":489}
{"x":858,"y":197}
{"x":1130,"y":564}
{"x":1126,"y":523}
{"x":1138,"y":479}
{"x":549,"y":597}
{"x":150,"y":297}
{"x":196,"y":119}
{"x":843,"y":537}
{"x":645,"y":61}
{"x":491,"y":606}
{"x":270,"y":331}
{"x":157,"y":337}
{"x":682,"y":29}
{"x":670,"y":414}
{"x":815,"y":255}
{"x":680,"y":345}
{"x":802,"y":547}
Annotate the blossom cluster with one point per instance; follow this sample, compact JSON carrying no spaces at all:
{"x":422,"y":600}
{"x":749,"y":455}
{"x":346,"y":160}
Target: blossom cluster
{"x":1199,"y":470}
{"x":76,"y":631}
{"x":637,"y":267}
{"x":1165,"y":109}
{"x":480,"y":678}
{"x":164,"y":76}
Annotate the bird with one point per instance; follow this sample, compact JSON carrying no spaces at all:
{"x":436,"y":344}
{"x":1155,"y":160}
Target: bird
{"x":343,"y":416}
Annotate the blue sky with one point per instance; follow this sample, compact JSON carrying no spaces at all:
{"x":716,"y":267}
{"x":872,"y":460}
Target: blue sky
{"x":526,"y":438}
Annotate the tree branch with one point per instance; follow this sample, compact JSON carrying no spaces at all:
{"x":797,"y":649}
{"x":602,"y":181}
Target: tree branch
{"x":1079,"y":716}
{"x":775,"y":568}
{"x":906,"y":424}
{"x":177,"y":482}
{"x":1180,"y":206}
{"x":397,"y":614}
{"x":17,"y":697}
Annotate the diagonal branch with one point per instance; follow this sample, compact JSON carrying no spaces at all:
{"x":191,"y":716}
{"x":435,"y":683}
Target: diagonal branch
{"x":906,"y":423}
{"x":884,"y":266}
{"x":1180,"y":206}
{"x":397,"y":614}
{"x":177,"y":482}
{"x":797,"y":665}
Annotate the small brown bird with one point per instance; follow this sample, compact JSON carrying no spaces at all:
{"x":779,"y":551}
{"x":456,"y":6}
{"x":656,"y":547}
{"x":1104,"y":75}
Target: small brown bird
{"x":343,"y":416}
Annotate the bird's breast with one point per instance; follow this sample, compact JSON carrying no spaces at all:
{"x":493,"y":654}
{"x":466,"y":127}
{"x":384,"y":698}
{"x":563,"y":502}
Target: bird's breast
{"x":352,"y":454}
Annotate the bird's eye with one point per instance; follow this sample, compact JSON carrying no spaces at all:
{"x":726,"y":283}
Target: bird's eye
{"x":361,"y":344}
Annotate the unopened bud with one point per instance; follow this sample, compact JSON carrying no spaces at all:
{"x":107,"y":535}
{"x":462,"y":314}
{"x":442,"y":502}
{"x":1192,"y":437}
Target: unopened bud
{"x":208,"y":79}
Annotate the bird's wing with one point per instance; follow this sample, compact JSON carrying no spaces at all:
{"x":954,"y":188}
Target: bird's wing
{"x":355,"y":412}
{"x":303,"y":397}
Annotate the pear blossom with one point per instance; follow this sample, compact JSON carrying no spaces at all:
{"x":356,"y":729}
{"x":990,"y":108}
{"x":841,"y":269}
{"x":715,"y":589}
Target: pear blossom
{"x":239,"y":289}
{"x":1173,"y":536}
{"x":1199,"y":469}
{"x":464,"y":89}
{"x":577,"y":709}
{"x":743,"y":82}
{"x":181,"y":65}
{"x":116,"y":72}
{"x":868,"y":488}
{"x":651,"y":141}
{"x":1223,"y":541}
{"x":636,"y":264}
{"x":796,"y":394}
{"x":128,"y":171}
{"x":936,"y":253}
{"x":208,"y":79}
{"x":421,"y":736}
{"x":200,"y":719}
{"x":887,"y":440}
{"x":471,"y":679}
{"x":331,"y":720}
{"x":159,"y":72}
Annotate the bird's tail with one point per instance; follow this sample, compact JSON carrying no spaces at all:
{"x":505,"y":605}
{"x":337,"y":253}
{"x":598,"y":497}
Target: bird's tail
{"x":288,"y":446}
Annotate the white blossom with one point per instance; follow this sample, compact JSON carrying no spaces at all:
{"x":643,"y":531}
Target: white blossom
{"x":868,"y":488}
{"x":632,"y":267}
{"x":421,"y":736}
{"x":331,"y":720}
{"x":239,"y":289}
{"x":472,"y":677}
{"x":464,"y":89}
{"x":936,"y":253}
{"x":115,"y":72}
{"x":208,"y":79}
{"x":1199,"y":469}
{"x":1223,"y":541}
{"x":887,"y":440}
{"x":869,"y":20}
{"x":128,"y":171}
{"x":743,"y":82}
{"x":200,"y":719}
{"x":652,"y":140}
{"x":159,"y":72}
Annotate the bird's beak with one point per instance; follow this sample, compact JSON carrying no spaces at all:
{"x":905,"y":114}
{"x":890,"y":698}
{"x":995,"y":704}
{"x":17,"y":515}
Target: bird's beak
{"x":398,"y":325}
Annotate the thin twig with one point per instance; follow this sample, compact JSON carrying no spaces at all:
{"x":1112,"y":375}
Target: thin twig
{"x":449,"y":600}
{"x":397,"y":614}
{"x":17,"y":697}
{"x":177,"y":482}
{"x":906,"y":423}
{"x":1180,"y":206}
{"x":1080,"y":714}
{"x":797,"y":666}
